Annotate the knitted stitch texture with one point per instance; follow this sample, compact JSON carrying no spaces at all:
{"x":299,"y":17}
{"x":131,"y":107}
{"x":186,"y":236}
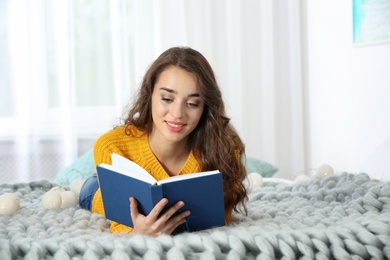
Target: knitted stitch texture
{"x":345,"y":216}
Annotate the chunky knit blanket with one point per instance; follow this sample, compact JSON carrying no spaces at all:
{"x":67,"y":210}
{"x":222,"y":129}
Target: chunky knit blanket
{"x":344,"y":216}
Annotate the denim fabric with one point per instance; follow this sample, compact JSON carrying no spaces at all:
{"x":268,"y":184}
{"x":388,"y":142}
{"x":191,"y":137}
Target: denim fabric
{"x":87,"y":192}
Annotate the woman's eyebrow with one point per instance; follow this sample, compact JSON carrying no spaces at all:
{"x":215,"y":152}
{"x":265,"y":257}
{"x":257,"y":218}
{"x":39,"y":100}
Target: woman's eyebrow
{"x":169,"y":90}
{"x":175,"y":92}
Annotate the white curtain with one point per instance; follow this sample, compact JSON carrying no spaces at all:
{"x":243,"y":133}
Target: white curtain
{"x":68,"y":68}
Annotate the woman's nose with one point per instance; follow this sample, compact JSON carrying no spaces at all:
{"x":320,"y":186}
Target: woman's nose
{"x":177,"y":110}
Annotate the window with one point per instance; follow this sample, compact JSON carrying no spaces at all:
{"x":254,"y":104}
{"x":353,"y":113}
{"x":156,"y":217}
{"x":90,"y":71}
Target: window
{"x":63,"y":61}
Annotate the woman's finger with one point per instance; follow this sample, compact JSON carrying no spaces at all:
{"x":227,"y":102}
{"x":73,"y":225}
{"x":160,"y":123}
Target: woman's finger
{"x":154,"y":214}
{"x":164,"y":218}
{"x":154,"y":224}
{"x":133,"y":208}
{"x":175,"y":221}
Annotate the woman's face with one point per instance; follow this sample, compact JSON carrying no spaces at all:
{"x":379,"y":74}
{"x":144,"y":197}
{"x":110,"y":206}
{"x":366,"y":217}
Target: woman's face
{"x":176,"y":105}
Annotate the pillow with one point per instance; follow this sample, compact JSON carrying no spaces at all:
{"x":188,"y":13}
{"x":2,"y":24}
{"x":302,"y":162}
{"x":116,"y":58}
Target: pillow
{"x":263,"y":168}
{"x":82,"y":168}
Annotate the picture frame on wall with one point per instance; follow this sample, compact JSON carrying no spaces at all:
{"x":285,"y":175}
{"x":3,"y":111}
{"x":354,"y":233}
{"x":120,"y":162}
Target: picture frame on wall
{"x":371,"y":22}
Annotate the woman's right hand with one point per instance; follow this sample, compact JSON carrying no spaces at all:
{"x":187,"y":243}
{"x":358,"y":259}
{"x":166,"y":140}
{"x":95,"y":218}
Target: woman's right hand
{"x":153,"y":224}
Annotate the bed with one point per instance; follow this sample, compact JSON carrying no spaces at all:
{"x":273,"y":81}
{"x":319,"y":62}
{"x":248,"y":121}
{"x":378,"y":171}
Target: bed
{"x":344,"y":216}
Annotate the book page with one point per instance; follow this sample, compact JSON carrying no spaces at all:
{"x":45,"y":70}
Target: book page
{"x":130,"y":168}
{"x":188,"y":176}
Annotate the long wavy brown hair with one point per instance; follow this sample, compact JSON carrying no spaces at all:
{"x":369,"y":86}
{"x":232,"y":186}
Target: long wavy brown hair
{"x":214,"y":142}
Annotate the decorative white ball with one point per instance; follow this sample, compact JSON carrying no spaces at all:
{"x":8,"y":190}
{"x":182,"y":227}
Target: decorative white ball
{"x":302,"y":178}
{"x":255,"y":180}
{"x":51,"y":200}
{"x":76,"y":185}
{"x":69,"y":199}
{"x":324,"y":171}
{"x":58,"y":189}
{"x":9,"y":203}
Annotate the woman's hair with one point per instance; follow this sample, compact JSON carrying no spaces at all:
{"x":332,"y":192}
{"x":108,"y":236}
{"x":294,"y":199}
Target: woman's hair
{"x":214,"y":142}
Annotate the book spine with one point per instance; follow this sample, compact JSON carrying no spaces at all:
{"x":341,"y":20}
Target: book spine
{"x":156,"y":193}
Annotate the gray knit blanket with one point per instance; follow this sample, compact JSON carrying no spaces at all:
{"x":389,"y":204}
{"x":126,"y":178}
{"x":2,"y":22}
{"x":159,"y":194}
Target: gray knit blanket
{"x":344,"y":216}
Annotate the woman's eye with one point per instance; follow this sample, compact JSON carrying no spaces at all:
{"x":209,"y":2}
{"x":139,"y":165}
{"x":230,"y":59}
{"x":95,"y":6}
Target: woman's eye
{"x":168,"y":100}
{"x":193,"y":104}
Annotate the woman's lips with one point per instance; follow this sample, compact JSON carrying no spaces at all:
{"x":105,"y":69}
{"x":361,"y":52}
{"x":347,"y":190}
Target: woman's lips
{"x":175,"y":126}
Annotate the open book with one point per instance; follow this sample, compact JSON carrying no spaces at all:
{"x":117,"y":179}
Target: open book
{"x":201,"y":192}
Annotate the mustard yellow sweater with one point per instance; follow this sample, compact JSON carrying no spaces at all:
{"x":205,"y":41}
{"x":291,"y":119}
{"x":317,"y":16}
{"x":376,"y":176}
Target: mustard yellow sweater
{"x":136,"y":148}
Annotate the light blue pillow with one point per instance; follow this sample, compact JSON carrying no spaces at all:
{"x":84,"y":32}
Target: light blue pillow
{"x":263,"y":168}
{"x":82,"y":168}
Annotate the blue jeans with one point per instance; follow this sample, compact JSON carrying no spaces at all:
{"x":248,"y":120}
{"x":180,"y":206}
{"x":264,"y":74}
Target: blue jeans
{"x":87,"y":192}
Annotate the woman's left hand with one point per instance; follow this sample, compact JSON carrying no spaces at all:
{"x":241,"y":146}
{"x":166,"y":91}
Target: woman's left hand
{"x":153,"y":224}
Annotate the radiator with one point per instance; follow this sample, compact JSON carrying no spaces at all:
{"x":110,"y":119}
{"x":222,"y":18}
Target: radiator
{"x":30,"y":160}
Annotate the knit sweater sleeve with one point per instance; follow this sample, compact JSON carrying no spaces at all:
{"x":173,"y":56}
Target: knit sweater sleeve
{"x":119,"y":229}
{"x":103,"y":148}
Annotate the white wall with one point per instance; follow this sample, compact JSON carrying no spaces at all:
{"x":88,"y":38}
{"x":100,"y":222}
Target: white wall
{"x":348,"y":94}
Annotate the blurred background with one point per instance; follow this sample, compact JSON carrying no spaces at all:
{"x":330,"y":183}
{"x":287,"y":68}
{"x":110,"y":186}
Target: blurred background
{"x":300,"y":87}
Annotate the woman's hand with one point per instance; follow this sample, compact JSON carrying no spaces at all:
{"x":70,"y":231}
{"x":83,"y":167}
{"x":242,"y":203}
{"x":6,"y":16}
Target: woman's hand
{"x":154,"y":225}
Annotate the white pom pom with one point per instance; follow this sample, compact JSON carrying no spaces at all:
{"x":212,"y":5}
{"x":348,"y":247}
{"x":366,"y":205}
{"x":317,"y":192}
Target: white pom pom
{"x":68,"y":199}
{"x":302,"y":178}
{"x":254,"y":180}
{"x":76,"y":185}
{"x":9,"y":203}
{"x":58,"y":189}
{"x":324,"y":170}
{"x":51,"y":200}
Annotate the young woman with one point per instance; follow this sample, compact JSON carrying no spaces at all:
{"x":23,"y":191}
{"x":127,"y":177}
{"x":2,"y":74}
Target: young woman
{"x":177,"y":125}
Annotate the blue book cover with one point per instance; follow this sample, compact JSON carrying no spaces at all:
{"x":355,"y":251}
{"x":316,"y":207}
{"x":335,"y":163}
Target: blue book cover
{"x":202,"y":194}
